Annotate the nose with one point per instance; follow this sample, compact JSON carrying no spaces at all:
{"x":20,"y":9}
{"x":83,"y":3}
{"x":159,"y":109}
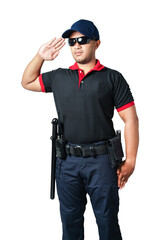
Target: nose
{"x":77,"y":45}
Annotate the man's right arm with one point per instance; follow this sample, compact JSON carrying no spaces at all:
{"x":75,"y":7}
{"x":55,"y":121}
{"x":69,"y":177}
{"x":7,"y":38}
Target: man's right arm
{"x":47,"y":52}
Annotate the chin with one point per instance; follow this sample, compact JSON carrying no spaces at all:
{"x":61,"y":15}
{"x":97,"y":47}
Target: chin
{"x":82,"y":61}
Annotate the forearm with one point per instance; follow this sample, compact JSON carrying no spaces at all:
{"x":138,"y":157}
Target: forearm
{"x":33,"y":69}
{"x":131,"y":133}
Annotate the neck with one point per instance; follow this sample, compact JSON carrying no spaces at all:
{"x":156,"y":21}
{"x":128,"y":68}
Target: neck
{"x":87,"y":66}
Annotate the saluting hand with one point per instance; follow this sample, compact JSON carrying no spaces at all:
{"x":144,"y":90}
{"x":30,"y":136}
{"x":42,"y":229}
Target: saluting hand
{"x":124,"y":171}
{"x":50,"y":50}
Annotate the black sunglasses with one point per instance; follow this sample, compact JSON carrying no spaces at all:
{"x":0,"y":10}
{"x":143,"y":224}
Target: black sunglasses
{"x":80,"y":40}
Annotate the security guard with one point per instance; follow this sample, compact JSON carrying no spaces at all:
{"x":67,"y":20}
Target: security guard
{"x":85,"y":97}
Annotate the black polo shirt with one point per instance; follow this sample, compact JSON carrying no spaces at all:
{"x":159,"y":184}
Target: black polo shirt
{"x":85,"y":103}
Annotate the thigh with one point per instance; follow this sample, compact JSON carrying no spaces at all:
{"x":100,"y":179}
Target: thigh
{"x":102,"y":185}
{"x":99,"y":173}
{"x":70,"y":187}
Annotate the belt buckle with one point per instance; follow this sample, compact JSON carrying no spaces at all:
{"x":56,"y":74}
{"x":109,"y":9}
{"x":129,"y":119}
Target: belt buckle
{"x":78,"y":151}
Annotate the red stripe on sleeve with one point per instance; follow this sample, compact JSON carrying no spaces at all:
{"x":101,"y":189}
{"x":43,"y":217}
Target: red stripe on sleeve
{"x":41,"y":83}
{"x":125,"y":106}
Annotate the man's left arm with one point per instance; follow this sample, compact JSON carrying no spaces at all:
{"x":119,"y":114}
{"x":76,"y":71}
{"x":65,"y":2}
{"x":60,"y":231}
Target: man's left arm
{"x":131,"y":134}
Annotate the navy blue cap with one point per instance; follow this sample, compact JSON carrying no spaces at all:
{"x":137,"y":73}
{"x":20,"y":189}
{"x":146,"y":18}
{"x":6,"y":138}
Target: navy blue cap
{"x":83,"y":26}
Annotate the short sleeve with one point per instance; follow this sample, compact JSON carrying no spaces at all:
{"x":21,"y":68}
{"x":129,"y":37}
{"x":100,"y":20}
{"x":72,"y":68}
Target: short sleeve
{"x":46,"y":80}
{"x":122,"y":94}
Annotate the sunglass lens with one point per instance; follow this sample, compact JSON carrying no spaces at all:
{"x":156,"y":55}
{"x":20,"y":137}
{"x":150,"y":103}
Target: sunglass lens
{"x":71,"y":41}
{"x":82,"y":40}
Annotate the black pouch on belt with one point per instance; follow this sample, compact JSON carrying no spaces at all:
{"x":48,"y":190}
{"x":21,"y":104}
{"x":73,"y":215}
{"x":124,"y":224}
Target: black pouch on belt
{"x":61,"y":142}
{"x":61,"y":148}
{"x":115,"y":151}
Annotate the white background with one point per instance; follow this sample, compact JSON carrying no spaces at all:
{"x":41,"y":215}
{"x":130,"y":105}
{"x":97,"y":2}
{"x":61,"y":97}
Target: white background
{"x":129,"y":32}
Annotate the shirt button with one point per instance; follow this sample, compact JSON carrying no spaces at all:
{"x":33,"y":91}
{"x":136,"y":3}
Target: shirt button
{"x":80,"y":71}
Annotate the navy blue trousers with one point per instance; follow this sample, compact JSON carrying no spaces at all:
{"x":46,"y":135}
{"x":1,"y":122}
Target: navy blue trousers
{"x":78,"y":176}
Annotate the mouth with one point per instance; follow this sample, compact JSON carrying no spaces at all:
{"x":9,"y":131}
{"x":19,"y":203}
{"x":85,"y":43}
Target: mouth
{"x":78,"y":53}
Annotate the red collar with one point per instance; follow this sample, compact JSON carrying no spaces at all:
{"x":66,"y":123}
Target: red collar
{"x":97,"y":67}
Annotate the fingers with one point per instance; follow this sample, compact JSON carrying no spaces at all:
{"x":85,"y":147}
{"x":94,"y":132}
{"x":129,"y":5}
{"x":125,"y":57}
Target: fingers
{"x":118,"y":171}
{"x":52,"y":40}
{"x":124,"y":171}
{"x":56,"y":45}
{"x":57,"y":42}
{"x":122,"y":181}
{"x":122,"y":174}
{"x":60,"y":46}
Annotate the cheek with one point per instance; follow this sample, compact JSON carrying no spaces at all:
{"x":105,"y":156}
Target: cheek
{"x":87,"y":51}
{"x":72,"y":51}
{"x":90,"y":51}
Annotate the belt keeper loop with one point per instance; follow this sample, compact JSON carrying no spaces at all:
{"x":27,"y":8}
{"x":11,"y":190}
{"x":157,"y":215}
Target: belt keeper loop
{"x":68,"y":149}
{"x":92,"y":151}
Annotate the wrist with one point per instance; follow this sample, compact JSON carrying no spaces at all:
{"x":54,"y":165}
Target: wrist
{"x":132,"y":161}
{"x":39,"y":57}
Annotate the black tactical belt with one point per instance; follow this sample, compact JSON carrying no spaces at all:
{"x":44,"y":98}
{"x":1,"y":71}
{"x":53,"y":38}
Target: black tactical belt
{"x":86,"y":151}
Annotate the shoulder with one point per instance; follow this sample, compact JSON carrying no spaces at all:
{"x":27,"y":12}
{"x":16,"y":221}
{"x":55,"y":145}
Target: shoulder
{"x":54,"y":73}
{"x":111,"y":76}
{"x":112,"y":73}
{"x":61,"y":71}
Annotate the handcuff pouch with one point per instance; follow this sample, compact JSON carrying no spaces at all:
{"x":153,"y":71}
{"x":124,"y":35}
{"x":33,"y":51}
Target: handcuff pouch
{"x":115,"y":151}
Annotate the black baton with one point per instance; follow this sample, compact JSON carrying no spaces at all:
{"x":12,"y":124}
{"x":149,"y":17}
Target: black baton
{"x":53,"y":156}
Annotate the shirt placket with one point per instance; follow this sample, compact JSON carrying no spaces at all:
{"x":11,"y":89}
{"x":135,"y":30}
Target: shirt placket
{"x":81,"y":76}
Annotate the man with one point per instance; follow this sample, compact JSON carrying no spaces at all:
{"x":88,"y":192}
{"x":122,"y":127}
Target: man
{"x":85,"y":96}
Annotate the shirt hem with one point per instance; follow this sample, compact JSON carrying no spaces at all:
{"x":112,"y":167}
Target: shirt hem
{"x":125,"y":106}
{"x":41,"y":83}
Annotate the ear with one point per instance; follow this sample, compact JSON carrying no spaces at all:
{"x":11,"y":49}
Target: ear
{"x":98,"y":42}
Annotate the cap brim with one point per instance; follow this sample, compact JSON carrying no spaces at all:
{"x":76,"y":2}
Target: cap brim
{"x":67,"y":33}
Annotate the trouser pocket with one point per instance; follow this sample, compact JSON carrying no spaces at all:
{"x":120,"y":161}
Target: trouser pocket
{"x":58,"y":167}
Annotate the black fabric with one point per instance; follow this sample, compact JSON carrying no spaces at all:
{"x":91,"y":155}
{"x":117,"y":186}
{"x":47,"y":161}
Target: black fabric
{"x":87,"y":112}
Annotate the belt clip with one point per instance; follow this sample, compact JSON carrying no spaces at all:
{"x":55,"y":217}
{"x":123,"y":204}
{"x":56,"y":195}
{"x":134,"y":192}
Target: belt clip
{"x":78,"y":151}
{"x":92,"y":151}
